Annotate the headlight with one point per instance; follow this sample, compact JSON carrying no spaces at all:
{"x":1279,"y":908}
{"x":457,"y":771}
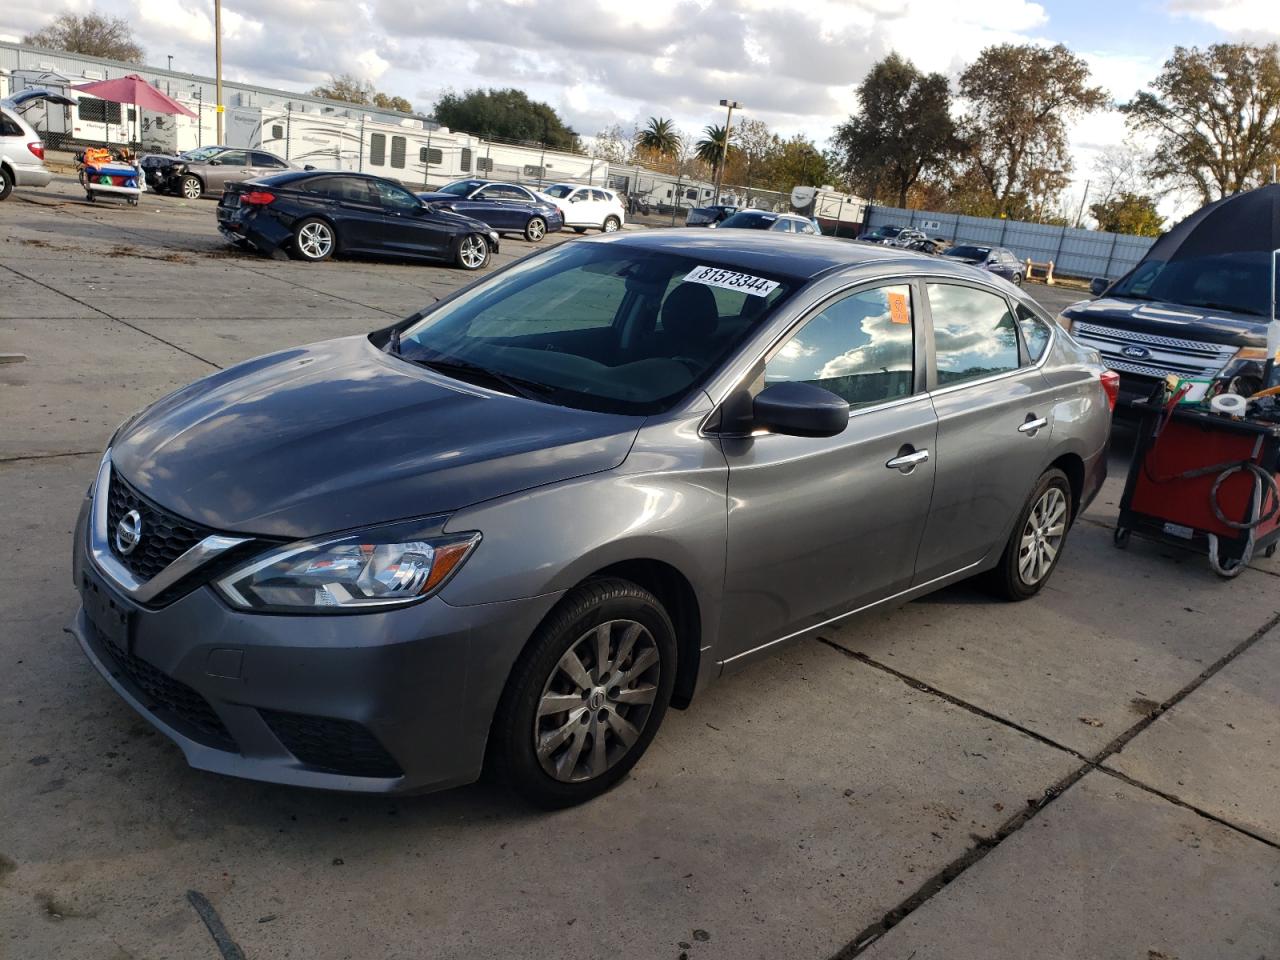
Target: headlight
{"x":493,"y":237}
{"x":376,"y":568}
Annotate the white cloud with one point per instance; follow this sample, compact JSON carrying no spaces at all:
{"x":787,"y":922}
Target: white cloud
{"x":1250,"y":19}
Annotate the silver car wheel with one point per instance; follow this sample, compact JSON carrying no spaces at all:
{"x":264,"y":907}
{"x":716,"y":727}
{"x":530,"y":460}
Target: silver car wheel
{"x":1042,"y":537}
{"x":315,"y":240}
{"x":536,"y":229}
{"x":596,"y":702}
{"x":473,"y":252}
{"x":191,"y":188}
{"x":611,"y":225}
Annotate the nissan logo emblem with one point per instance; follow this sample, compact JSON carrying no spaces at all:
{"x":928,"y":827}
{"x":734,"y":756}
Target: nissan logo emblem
{"x":129,"y":532}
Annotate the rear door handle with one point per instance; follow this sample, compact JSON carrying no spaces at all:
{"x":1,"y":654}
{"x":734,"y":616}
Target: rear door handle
{"x":907,"y":461}
{"x":1033,"y":424}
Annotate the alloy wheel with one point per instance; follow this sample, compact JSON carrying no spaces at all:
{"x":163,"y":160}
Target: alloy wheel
{"x":596,"y":702}
{"x":473,"y":252}
{"x":611,"y":225}
{"x":191,"y":188}
{"x":315,"y":240}
{"x":1042,"y":537}
{"x":536,"y":229}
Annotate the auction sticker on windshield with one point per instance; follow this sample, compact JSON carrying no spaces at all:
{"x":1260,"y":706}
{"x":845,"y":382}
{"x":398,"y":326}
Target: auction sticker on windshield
{"x":743,"y":282}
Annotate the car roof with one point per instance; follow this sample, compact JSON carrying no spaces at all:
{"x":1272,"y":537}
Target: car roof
{"x":801,"y":256}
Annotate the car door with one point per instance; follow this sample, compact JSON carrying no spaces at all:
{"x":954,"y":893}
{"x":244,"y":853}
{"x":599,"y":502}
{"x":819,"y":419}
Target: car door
{"x":818,"y":527}
{"x":358,"y":212}
{"x":265,"y":165}
{"x":580,"y":209}
{"x":230,"y":166}
{"x":994,"y":408}
{"x":406,"y":227}
{"x":504,"y":208}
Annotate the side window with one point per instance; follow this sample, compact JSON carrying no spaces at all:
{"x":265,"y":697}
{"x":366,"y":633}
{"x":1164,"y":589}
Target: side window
{"x":395,"y":198}
{"x":277,"y":131}
{"x":484,"y":164}
{"x":233,"y":158}
{"x":464,"y":160}
{"x":9,"y":127}
{"x":579,"y":195}
{"x":781,"y":226}
{"x":267,"y":160}
{"x":599,"y":196}
{"x":805,"y":228}
{"x":377,"y":149}
{"x":351,"y":190}
{"x":397,"y":152}
{"x":860,"y":347}
{"x":973,"y":332}
{"x":1035,"y":333}
{"x":434,"y":155}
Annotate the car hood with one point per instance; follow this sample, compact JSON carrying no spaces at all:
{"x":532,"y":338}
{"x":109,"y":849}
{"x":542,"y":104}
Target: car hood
{"x":1172,"y":320}
{"x":436,"y":197}
{"x":946,"y":256}
{"x":339,"y":435}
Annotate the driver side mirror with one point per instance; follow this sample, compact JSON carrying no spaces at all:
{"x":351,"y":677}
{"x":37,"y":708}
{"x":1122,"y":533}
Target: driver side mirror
{"x":797,"y":409}
{"x":308,"y":167}
{"x":215,"y":163}
{"x":1098,"y":286}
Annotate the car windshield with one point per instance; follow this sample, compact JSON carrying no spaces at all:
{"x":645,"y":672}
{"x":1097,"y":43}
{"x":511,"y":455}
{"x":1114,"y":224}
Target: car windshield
{"x":559,"y":191}
{"x":749,"y":220}
{"x":200,"y":154}
{"x":599,"y":326}
{"x":969,"y":253}
{"x":1235,"y":282}
{"x":460,"y":188}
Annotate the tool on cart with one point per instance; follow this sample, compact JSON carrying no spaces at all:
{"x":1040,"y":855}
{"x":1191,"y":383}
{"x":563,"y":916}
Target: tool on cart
{"x":1205,"y":470}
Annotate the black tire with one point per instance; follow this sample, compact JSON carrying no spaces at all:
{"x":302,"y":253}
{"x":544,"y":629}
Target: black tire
{"x":514,"y":756}
{"x":473,"y":252}
{"x":191,"y":188}
{"x":535,"y":229}
{"x":1017,"y":279}
{"x":1120,"y":537}
{"x":314,"y":239}
{"x":6,"y":183}
{"x":611,"y":225}
{"x":1008,"y":579}
{"x":579,"y":229}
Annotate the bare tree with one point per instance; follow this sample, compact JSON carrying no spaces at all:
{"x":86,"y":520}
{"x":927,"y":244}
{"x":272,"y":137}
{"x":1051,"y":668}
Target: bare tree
{"x":93,"y":34}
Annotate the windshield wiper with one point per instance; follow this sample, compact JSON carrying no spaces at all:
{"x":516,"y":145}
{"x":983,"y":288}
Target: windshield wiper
{"x":466,"y":370}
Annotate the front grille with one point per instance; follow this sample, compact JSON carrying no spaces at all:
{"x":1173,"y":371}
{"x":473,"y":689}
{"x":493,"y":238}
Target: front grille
{"x":165,"y":536}
{"x":1165,"y":355}
{"x":332,"y":745}
{"x":171,"y":700}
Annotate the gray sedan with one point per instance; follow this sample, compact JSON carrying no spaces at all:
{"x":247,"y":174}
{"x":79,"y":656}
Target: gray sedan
{"x":207,"y":170}
{"x":519,"y":525}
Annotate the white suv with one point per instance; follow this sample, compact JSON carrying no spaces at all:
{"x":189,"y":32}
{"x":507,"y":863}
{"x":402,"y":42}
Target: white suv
{"x":21,"y":150}
{"x":587,"y":207}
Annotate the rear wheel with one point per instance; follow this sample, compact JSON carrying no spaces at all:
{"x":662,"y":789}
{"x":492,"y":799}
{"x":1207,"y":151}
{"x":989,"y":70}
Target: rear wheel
{"x":1017,"y":279}
{"x":611,"y":225}
{"x":587,"y":696}
{"x":6,"y":183}
{"x":473,"y":252}
{"x":192,"y":188}
{"x":314,"y":240}
{"x":579,"y":229}
{"x":535,"y":229}
{"x":1036,"y":543}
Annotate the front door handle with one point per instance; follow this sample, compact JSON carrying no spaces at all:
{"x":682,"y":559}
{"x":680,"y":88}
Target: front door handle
{"x":906,"y":462}
{"x":1032,"y":424}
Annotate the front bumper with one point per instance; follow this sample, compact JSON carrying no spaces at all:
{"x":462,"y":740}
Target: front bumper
{"x":392,"y":702}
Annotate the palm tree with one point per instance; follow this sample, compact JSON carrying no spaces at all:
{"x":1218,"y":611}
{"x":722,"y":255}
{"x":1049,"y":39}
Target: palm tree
{"x":711,"y":148}
{"x":660,"y":136}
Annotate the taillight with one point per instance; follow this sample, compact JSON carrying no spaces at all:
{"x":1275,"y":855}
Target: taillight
{"x":37,"y":148}
{"x":1111,"y":387}
{"x":257,"y":198}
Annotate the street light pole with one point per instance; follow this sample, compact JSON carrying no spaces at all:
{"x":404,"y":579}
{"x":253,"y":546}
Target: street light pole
{"x":724,"y":147}
{"x":170,"y":56}
{"x":217,"y":62}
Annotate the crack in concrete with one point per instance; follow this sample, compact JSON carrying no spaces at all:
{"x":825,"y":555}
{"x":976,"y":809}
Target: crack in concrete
{"x":114,"y":319}
{"x":50,"y":456}
{"x":984,"y":845}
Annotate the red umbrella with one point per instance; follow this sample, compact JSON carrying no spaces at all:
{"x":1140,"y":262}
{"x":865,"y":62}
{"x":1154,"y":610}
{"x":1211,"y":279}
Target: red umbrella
{"x":133,"y":89}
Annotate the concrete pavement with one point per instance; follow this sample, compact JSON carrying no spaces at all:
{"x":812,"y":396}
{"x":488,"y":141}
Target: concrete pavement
{"x":1090,"y":774}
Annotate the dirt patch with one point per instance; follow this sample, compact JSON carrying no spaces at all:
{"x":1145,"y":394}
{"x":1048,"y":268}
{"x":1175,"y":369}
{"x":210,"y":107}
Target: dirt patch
{"x":1144,"y":706}
{"x":124,"y":250}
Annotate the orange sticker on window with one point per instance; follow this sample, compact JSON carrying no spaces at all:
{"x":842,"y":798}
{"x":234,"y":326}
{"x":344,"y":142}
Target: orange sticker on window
{"x":898,"y":310}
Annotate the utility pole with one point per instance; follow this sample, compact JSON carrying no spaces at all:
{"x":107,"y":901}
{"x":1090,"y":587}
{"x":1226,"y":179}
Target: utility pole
{"x":217,"y":62}
{"x":724,"y":147}
{"x":1083,"y":201}
{"x":170,"y":56}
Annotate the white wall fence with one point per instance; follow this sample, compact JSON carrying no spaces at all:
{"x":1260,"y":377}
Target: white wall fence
{"x":1074,"y":252}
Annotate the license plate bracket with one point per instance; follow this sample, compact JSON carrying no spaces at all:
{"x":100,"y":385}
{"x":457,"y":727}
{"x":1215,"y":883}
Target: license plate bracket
{"x":113,"y":621}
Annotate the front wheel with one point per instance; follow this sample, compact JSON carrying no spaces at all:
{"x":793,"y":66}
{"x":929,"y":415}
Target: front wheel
{"x":579,"y":229}
{"x":1017,"y":279}
{"x":192,"y":188}
{"x":535,"y":229}
{"x":587,"y":696}
{"x":1036,"y":543}
{"x":473,"y":252}
{"x":6,"y":184}
{"x":314,"y":240}
{"x":611,"y":225}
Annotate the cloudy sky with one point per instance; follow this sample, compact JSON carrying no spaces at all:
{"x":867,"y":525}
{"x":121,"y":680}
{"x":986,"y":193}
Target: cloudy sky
{"x":794,"y":65}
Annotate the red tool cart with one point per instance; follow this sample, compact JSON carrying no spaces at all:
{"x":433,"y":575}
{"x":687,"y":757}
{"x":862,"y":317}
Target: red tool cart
{"x":1201,"y":478}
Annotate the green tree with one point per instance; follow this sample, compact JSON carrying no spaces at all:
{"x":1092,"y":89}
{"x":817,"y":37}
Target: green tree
{"x":902,"y":131}
{"x":710,"y":148}
{"x":351,"y":89}
{"x":660,"y":137}
{"x":505,"y":115}
{"x":1215,"y":115}
{"x":1128,"y":213}
{"x":93,"y":34}
{"x":1020,"y":99}
{"x":800,"y":162}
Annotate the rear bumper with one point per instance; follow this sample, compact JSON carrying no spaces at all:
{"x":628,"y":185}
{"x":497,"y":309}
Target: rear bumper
{"x":393,"y":702}
{"x":31,"y":175}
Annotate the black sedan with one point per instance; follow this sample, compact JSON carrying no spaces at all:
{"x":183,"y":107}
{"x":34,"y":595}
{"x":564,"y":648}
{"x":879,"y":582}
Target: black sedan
{"x":999,"y":260}
{"x":507,"y":207}
{"x":709,"y":216}
{"x":314,"y":215}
